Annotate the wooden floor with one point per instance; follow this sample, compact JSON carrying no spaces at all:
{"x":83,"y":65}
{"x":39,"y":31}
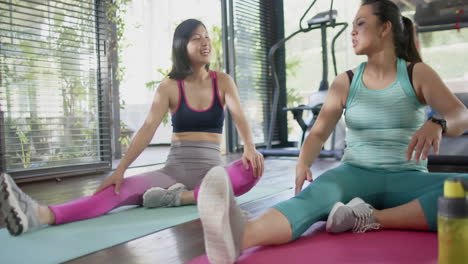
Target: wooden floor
{"x":177,"y":244}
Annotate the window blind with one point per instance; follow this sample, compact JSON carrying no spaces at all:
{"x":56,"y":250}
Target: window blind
{"x":54,"y":103}
{"x":257,"y":26}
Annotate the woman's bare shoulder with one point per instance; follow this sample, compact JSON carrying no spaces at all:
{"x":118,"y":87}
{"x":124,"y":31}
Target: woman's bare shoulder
{"x":167,"y":86}
{"x":224,"y":77}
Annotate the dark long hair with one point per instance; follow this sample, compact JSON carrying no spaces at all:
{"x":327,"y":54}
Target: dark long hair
{"x":402,"y":27}
{"x":181,"y":66}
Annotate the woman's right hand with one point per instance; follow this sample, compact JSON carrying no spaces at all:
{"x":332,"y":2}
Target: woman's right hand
{"x":303,"y":172}
{"x":115,"y":179}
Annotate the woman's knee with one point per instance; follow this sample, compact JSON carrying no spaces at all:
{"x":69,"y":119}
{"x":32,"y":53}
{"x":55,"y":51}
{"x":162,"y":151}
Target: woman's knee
{"x":242,"y":179}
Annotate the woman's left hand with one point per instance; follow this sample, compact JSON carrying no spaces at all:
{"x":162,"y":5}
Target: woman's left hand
{"x":427,"y":137}
{"x":256,"y":160}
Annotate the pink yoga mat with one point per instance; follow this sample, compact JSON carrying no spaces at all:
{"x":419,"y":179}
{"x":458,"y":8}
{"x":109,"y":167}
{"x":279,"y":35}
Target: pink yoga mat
{"x":386,"y":246}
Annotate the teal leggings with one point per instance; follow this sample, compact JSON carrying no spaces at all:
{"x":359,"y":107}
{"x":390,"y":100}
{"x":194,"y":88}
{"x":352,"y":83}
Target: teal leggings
{"x":378,"y":187}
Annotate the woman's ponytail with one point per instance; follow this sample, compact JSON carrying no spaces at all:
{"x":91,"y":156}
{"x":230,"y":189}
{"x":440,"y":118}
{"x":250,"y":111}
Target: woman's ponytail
{"x":408,"y":49}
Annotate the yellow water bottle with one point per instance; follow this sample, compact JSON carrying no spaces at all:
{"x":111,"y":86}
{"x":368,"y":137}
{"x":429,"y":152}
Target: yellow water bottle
{"x":452,"y":223}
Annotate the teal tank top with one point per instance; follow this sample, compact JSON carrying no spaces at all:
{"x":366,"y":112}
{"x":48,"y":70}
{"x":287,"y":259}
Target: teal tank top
{"x":380,"y":123}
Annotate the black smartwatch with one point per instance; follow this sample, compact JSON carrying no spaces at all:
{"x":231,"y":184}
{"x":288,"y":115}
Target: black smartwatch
{"x":439,"y":119}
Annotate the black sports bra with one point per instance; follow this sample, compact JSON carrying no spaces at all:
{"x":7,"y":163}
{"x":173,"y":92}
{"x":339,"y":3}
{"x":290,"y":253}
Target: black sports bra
{"x":187,"y":119}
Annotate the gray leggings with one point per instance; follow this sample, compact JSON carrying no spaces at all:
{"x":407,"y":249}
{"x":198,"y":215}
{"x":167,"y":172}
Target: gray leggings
{"x":187,"y":163}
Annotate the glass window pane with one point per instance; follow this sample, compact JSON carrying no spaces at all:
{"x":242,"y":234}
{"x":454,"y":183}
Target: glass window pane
{"x":49,"y":84}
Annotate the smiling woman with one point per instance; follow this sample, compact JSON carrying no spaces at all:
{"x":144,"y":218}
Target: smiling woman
{"x":191,"y":45}
{"x":199,"y":46}
{"x":196,"y":97}
{"x":146,"y":53}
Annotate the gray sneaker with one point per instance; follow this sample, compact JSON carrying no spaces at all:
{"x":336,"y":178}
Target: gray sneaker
{"x":158,"y":197}
{"x":355,"y":216}
{"x":19,"y":210}
{"x":222,"y":220}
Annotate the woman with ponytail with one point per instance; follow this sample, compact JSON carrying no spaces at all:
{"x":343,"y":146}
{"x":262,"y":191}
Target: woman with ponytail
{"x":383,"y":181}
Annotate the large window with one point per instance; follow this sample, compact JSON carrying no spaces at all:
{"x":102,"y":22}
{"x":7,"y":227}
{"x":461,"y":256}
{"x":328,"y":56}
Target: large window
{"x":53,"y":106}
{"x":256,"y":26}
{"x":146,"y":53}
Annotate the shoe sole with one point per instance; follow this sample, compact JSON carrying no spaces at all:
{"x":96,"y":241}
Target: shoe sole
{"x":214,"y":200}
{"x":15,"y":219}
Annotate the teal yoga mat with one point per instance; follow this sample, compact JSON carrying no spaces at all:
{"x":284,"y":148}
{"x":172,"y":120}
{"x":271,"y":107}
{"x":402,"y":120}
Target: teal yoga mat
{"x":65,"y":242}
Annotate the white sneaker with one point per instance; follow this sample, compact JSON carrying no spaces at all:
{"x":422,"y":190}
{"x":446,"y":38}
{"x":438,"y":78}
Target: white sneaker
{"x":158,"y":197}
{"x":19,"y":210}
{"x":355,"y":216}
{"x":222,"y":220}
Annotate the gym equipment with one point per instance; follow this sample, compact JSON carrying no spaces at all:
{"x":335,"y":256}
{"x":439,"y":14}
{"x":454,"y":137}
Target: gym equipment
{"x":320,"y":21}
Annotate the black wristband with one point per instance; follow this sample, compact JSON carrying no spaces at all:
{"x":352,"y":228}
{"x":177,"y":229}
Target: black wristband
{"x":438,"y":119}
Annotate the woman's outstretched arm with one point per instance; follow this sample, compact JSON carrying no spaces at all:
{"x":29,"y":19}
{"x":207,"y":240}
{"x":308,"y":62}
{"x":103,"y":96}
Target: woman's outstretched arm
{"x":327,"y":119}
{"x":232,"y":99}
{"x":144,"y":135}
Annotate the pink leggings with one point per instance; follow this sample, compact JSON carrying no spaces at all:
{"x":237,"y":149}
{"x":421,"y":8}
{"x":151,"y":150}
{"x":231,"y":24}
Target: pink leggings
{"x":132,"y":190}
